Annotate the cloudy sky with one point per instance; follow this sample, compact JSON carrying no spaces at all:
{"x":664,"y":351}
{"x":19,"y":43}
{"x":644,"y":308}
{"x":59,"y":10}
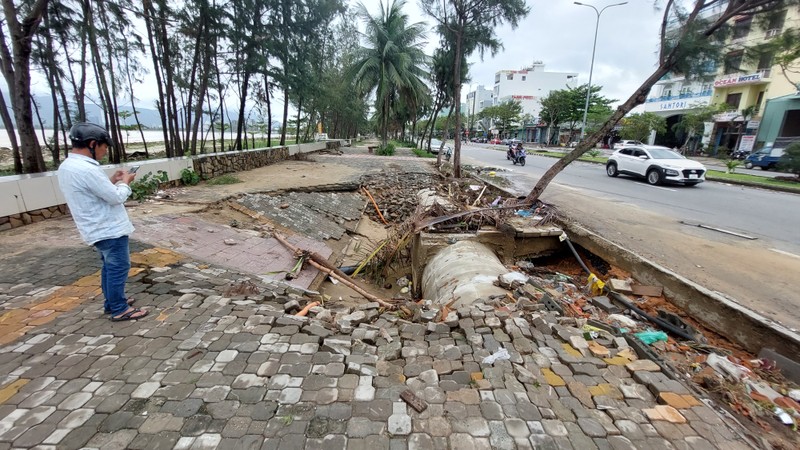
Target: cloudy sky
{"x":560,"y":34}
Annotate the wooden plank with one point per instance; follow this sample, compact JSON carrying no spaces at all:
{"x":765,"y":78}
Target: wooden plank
{"x":417,"y":403}
{"x":647,"y":291}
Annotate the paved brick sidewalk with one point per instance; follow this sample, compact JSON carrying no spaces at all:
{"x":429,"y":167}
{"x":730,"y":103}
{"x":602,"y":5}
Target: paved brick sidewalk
{"x":208,"y":371}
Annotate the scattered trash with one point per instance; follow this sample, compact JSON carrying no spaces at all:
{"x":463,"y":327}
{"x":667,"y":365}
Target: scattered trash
{"x":794,"y":394}
{"x":650,"y":337}
{"x":496,"y":201}
{"x":501,"y":354}
{"x":622,"y":320}
{"x":783,"y":416}
{"x":403,"y":282}
{"x":726,"y":368}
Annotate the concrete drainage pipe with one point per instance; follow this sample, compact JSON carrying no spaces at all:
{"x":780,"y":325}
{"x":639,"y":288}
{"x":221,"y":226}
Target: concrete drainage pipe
{"x":464,"y":272}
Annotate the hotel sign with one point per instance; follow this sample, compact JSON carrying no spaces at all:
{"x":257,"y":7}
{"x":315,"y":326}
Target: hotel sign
{"x":738,"y":79}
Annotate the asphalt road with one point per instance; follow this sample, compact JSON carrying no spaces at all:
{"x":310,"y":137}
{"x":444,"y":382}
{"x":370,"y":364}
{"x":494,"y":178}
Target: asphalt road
{"x":760,"y":274}
{"x":770,"y":216}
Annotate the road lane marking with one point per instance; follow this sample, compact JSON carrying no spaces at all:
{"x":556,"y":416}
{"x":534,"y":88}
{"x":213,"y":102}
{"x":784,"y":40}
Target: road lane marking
{"x":785,"y":253}
{"x":662,"y":188}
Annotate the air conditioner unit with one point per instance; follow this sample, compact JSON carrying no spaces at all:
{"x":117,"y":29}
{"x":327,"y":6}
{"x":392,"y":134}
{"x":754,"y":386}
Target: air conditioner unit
{"x":773,"y":32}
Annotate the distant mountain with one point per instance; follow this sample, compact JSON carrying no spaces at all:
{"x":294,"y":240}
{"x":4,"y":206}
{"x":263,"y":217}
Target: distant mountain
{"x":147,"y":117}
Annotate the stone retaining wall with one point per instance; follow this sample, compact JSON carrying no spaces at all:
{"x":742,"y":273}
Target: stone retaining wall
{"x":27,"y":218}
{"x":32,"y":198}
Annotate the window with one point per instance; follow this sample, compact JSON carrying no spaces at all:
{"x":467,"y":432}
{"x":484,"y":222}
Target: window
{"x":777,"y":20}
{"x":523,"y":77}
{"x":706,"y":87}
{"x":510,"y":76}
{"x":759,"y":100}
{"x":733,"y":100}
{"x":733,"y":62}
{"x":626,"y":151}
{"x":765,"y":60}
{"x":741,"y":28}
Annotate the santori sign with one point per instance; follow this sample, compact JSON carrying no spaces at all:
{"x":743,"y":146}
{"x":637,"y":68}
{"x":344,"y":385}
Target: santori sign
{"x":739,"y":79}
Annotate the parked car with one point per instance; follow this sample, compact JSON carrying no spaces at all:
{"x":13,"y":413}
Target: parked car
{"x":767,"y":158}
{"x":627,"y":143}
{"x":656,"y":164}
{"x":436,"y":144}
{"x":495,"y":141}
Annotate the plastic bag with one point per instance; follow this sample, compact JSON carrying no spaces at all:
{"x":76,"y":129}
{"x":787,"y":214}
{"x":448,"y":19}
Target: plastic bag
{"x":500,"y":354}
{"x":649,"y":337}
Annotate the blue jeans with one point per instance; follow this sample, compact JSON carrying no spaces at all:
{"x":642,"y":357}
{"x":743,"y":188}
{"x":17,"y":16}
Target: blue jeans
{"x":116,"y":264}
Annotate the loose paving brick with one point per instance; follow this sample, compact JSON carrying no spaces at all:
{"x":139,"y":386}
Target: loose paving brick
{"x":213,"y":367}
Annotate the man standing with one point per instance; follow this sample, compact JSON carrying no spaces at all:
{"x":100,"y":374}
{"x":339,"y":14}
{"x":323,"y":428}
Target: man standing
{"x":97,"y":206}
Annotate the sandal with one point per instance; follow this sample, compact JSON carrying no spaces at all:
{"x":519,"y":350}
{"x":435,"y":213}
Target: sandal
{"x":131,"y":301}
{"x":130,"y":315}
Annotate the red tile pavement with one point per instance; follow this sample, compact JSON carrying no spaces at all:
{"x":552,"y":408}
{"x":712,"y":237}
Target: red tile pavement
{"x":205,"y":241}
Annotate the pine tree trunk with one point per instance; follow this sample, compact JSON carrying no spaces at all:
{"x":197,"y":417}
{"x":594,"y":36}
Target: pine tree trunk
{"x":147,"y":5}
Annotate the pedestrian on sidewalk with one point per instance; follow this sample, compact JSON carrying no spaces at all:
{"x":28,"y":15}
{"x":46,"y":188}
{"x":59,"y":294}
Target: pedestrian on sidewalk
{"x":97,"y":204}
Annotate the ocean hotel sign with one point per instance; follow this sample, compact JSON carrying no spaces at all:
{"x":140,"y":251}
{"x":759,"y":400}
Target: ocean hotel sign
{"x":738,"y":79}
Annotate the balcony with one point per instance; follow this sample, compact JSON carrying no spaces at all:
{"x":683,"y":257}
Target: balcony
{"x":666,"y":98}
{"x":765,"y":73}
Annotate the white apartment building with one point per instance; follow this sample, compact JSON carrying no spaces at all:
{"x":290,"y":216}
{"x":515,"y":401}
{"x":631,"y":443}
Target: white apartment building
{"x":478,"y":99}
{"x":529,"y":86}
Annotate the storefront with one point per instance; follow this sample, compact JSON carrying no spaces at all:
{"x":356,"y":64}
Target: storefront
{"x":739,"y":92}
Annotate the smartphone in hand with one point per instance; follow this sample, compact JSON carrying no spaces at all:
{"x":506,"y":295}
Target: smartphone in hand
{"x":133,"y":169}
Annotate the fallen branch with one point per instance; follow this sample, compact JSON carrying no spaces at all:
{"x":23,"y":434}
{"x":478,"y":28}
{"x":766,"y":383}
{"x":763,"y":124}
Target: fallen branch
{"x":378,"y":210}
{"x":322,"y":264}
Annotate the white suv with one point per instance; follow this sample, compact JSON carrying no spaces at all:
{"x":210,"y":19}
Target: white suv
{"x":656,"y":164}
{"x":623,"y":144}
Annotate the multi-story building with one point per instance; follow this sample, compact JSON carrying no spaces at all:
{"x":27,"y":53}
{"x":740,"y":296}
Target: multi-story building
{"x":477,"y":100}
{"x":529,"y":86}
{"x":746,"y":84}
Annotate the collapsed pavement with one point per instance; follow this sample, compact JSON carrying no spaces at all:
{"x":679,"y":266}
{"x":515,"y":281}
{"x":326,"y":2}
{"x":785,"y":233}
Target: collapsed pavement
{"x":226,"y":362}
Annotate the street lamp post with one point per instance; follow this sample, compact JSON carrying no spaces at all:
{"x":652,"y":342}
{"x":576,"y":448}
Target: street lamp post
{"x":591,"y":67}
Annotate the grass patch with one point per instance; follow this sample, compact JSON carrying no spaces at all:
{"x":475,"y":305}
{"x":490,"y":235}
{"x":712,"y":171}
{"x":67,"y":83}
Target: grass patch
{"x":422,"y":153}
{"x":224,"y":179}
{"x":753,"y":180}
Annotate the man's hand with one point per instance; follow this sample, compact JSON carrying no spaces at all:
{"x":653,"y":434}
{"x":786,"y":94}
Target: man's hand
{"x":117,"y":176}
{"x":128,"y":177}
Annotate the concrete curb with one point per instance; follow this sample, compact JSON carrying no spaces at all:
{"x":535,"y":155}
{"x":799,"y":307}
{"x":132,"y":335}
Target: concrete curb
{"x":742,"y":326}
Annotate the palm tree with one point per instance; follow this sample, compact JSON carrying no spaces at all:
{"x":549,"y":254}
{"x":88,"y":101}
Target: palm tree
{"x":391,"y":63}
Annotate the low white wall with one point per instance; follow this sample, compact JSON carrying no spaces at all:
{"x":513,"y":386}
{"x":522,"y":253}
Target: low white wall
{"x":23,"y":193}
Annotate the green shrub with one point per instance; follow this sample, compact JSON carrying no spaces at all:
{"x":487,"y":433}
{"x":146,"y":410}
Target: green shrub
{"x":723,"y":152}
{"x":594,"y":153}
{"x":189,"y":177}
{"x":732,"y":164}
{"x":387,"y":150}
{"x":148,"y":185}
{"x":224,"y":179}
{"x":422,"y":153}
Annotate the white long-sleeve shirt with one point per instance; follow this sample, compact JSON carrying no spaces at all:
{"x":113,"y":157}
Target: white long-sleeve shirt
{"x":96,"y":204}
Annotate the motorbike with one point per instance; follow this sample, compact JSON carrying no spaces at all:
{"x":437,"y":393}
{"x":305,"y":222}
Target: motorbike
{"x":740,"y":155}
{"x":519,"y":158}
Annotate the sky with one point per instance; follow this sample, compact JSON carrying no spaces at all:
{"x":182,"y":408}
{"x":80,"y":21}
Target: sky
{"x":560,"y":34}
{"x":556,"y":32}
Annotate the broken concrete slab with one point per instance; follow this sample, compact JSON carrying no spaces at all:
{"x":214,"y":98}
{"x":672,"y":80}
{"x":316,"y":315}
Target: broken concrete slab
{"x":319,"y":215}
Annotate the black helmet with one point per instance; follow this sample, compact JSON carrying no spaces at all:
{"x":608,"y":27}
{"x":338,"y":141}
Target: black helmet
{"x":83,"y":132}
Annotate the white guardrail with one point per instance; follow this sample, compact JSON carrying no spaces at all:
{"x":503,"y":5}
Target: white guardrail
{"x":30,"y":192}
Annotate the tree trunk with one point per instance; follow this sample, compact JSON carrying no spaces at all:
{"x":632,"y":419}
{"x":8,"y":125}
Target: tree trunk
{"x":637,"y":98}
{"x":457,"y":98}
{"x":16,"y":70}
{"x":269,"y":110}
{"x":242,"y":104}
{"x":147,"y":5}
{"x":12,"y":133}
{"x":168,"y":69}
{"x":285,"y":114}
{"x":105,"y":94}
{"x":297,"y":122}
